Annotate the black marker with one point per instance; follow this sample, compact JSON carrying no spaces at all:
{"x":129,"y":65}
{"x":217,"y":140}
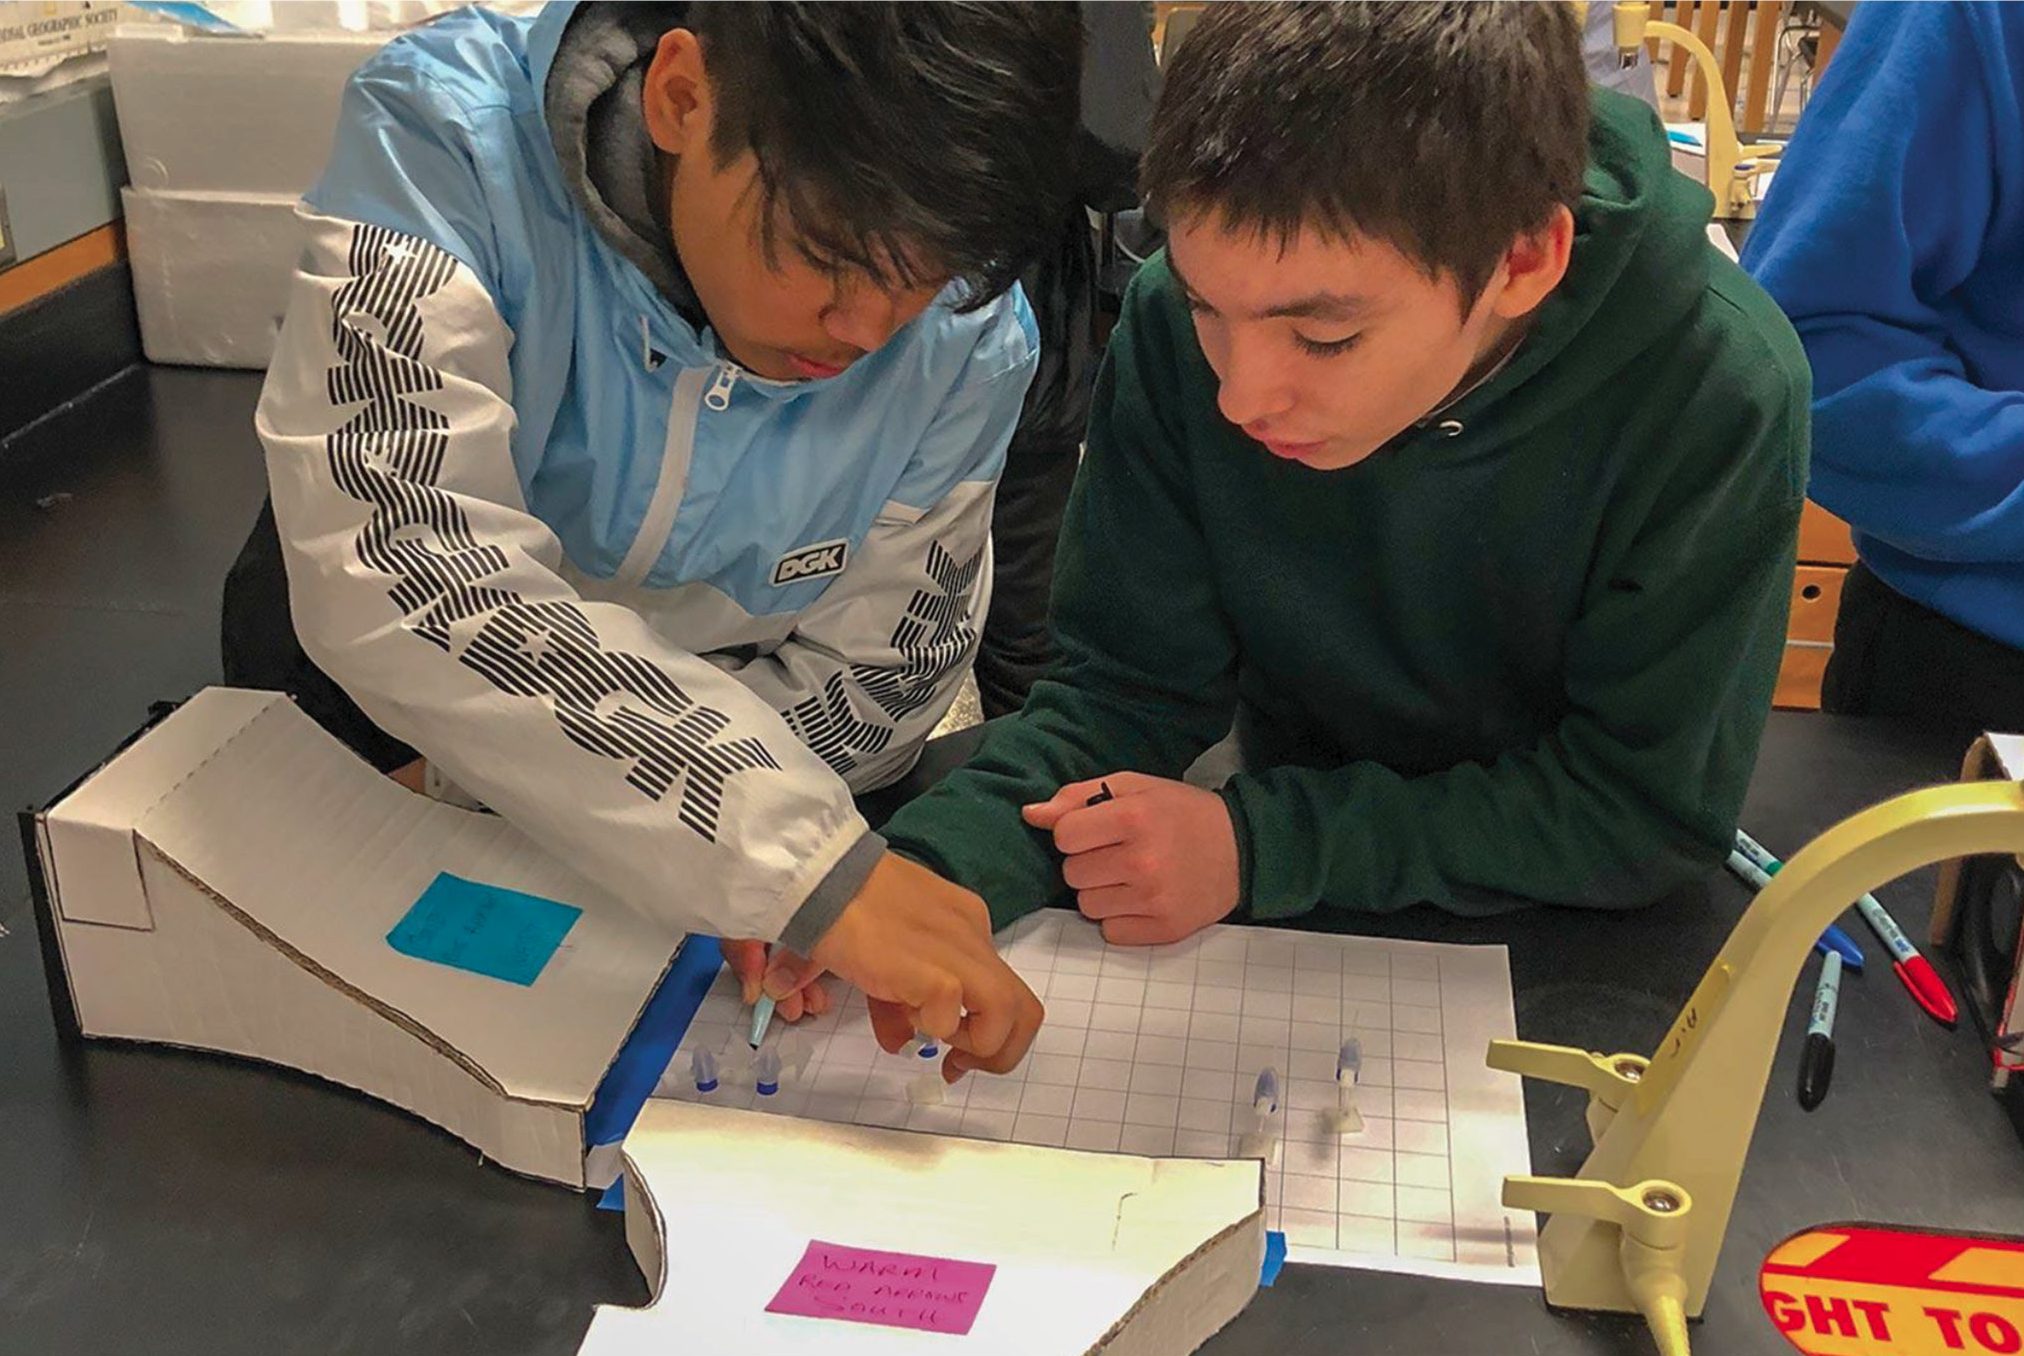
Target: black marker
{"x":1816,"y":1061}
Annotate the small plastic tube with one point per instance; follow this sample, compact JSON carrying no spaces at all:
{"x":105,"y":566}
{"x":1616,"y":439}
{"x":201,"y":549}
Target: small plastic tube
{"x":1265,"y":1097}
{"x":1348,"y":1120}
{"x":796,"y":1049}
{"x":766,"y":1072}
{"x":704,"y":1065}
{"x":1349,"y":1063}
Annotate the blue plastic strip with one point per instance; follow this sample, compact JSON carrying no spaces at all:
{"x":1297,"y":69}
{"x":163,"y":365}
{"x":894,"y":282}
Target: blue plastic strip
{"x":614,"y":1196}
{"x":645,"y":1055}
{"x":194,"y":16}
{"x":1275,"y":1257}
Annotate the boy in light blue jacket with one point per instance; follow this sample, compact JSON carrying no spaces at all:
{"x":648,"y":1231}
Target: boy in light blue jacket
{"x":1894,"y":238}
{"x":632,"y":437}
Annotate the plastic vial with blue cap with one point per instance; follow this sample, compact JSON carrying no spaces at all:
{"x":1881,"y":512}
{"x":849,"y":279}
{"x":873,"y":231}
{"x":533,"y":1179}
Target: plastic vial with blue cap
{"x":704,"y":1065}
{"x":1348,"y":1120}
{"x":1349,"y":1063}
{"x":1263,"y":1140}
{"x":766,"y":1072}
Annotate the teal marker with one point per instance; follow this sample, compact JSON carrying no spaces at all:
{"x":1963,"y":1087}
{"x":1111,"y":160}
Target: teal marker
{"x":762,"y":1017}
{"x":1756,"y":867}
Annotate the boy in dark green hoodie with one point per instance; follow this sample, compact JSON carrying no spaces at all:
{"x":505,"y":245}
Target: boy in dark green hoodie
{"x":1443,"y":452}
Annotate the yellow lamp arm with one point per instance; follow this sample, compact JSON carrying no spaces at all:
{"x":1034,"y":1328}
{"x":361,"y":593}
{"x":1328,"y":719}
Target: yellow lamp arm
{"x":1689,"y":1120}
{"x":1734,"y":196}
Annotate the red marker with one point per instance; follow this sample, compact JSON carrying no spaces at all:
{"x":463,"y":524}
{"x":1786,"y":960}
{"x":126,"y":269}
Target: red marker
{"x":1927,"y":988}
{"x":1917,"y":973}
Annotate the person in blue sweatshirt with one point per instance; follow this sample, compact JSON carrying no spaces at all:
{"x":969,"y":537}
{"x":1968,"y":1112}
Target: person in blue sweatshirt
{"x":1893,"y":236}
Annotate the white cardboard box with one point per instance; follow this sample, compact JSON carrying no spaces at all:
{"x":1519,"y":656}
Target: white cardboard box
{"x":204,"y":114}
{"x":1095,"y":1253}
{"x":227,"y":882}
{"x":211,"y":273}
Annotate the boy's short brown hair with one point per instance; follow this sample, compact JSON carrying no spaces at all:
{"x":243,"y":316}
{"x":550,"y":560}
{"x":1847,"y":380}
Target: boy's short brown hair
{"x":1445,"y":130}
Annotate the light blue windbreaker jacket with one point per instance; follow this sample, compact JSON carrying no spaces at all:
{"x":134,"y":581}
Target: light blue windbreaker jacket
{"x":663,"y":614}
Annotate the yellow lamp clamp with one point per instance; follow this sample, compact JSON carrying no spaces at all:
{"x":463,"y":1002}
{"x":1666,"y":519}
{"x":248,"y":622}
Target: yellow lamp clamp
{"x":1639,"y":1229}
{"x":1732,"y":167}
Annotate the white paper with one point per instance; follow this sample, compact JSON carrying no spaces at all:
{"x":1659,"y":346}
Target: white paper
{"x":1095,"y":1253}
{"x":1155,"y":1051}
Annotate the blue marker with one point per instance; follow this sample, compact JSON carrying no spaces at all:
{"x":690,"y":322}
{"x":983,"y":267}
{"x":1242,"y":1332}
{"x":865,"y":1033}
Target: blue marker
{"x":766,"y":1072}
{"x":1816,"y":1061}
{"x":1835,"y":942}
{"x":762,"y":1017}
{"x":1756,"y":868}
{"x":704,"y":1064}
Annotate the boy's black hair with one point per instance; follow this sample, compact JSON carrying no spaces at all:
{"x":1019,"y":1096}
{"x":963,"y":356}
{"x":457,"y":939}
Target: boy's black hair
{"x":911,"y":141}
{"x":1445,"y":130}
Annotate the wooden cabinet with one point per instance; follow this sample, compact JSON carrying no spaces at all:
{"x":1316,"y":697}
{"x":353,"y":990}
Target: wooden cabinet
{"x":1824,"y":539}
{"x":1826,"y":550}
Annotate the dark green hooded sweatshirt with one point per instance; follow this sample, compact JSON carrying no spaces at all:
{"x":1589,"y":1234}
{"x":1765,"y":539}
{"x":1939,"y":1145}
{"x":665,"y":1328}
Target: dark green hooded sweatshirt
{"x":1522,"y":653}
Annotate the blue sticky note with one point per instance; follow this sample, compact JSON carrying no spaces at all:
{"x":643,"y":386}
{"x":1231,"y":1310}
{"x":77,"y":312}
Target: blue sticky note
{"x":486,"y":929}
{"x":1275,"y":1257}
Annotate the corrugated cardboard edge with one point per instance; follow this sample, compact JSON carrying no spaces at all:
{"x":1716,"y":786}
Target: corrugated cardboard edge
{"x":392,"y":1014}
{"x":50,"y":926}
{"x":399,"y":1018}
{"x":1981,"y":765}
{"x":309,"y":966}
{"x":49,"y":933}
{"x":643,"y":1226}
{"x":1250,"y":1222}
{"x":452,"y":1126}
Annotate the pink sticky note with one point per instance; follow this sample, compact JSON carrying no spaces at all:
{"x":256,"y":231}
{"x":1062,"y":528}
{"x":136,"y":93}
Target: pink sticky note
{"x":891,"y":1289}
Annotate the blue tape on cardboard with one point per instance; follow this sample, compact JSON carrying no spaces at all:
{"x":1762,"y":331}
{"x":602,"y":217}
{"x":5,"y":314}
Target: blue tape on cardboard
{"x":486,"y":929}
{"x":1275,"y":1257}
{"x":645,"y":1055}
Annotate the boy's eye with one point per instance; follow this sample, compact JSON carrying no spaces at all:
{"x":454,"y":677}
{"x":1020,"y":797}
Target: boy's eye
{"x":1323,"y":348}
{"x":1195,"y":304}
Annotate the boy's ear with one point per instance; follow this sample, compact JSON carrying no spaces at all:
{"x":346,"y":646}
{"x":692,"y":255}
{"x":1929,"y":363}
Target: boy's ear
{"x":1534,"y":265}
{"x":676,"y":95}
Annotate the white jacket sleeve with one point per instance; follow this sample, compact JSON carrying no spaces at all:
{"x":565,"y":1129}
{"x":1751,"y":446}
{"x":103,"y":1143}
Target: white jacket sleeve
{"x":874,"y":664}
{"x":424,"y":587}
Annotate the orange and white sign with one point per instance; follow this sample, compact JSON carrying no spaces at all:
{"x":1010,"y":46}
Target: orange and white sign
{"x":1863,"y":1290}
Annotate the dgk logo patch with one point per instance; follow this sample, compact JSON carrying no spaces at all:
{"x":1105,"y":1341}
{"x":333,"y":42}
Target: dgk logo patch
{"x":819,"y":561}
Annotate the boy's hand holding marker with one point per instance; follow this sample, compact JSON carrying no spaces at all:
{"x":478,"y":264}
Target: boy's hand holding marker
{"x":921,"y":950}
{"x":1150,"y":859}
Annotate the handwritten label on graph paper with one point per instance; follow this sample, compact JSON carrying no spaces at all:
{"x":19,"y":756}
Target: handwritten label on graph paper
{"x":1869,"y":1290}
{"x":890,"y":1289}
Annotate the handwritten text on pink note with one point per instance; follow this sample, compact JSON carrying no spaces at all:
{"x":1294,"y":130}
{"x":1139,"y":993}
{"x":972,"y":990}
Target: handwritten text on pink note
{"x":892,"y":1289}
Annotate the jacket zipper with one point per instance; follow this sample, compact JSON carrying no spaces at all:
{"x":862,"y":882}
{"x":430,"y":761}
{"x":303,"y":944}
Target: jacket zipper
{"x":718,"y":397}
{"x":676,"y":451}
